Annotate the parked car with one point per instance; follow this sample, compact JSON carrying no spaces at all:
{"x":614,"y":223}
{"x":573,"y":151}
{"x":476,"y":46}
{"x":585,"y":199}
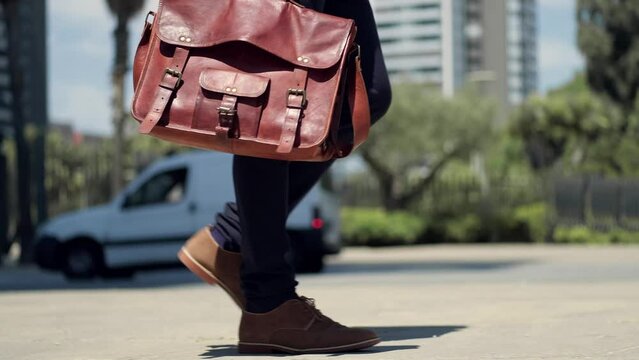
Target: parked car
{"x":148,"y":222}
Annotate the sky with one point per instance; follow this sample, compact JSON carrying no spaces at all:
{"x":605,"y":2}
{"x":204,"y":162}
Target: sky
{"x":80,"y":54}
{"x":558,"y":55}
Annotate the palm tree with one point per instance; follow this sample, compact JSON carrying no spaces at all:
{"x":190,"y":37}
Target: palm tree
{"x":123,"y":10}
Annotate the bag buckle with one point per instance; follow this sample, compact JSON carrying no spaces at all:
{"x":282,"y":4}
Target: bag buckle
{"x":176,"y":74}
{"x":226,"y":111}
{"x":226,"y":119}
{"x":298,"y":92}
{"x":227,"y":115}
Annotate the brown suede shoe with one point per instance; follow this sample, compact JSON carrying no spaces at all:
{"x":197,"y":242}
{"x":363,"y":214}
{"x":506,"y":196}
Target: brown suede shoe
{"x":297,"y":327}
{"x":206,"y":259}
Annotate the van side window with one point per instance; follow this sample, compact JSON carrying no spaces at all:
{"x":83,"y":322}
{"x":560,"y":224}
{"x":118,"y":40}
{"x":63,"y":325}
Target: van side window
{"x":165,"y":188}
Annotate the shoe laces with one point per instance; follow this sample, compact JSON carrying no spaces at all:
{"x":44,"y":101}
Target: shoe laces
{"x":310,"y":303}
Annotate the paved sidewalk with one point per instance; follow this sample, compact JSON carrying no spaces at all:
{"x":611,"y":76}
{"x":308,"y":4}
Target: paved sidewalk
{"x":433,"y":302}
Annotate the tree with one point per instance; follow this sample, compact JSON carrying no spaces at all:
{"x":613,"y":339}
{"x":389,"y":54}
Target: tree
{"x":123,"y":10}
{"x":608,"y":37}
{"x":421,"y":134}
{"x":578,"y":129}
{"x":78,"y":173}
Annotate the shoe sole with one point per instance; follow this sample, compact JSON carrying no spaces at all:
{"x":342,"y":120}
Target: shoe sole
{"x":203,"y":273}
{"x":257,"y":348}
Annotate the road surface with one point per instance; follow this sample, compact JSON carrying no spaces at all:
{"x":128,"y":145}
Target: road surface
{"x":427,"y":302}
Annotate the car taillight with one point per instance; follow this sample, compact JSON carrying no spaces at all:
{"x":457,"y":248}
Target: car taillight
{"x":317,"y":223}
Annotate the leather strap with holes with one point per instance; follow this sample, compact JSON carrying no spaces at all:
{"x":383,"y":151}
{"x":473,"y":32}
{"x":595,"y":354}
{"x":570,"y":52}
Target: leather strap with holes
{"x":295,"y":104}
{"x":227,"y":116}
{"x":166,"y":89}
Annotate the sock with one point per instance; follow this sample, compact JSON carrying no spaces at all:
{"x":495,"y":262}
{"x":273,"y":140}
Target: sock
{"x":224,"y":242}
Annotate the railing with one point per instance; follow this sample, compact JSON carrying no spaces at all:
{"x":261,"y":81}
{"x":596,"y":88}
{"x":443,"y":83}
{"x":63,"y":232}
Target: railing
{"x":579,"y":200}
{"x":449,"y":195}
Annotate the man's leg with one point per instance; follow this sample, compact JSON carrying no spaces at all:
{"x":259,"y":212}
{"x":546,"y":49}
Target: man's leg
{"x":268,"y":280}
{"x":222,"y":265}
{"x":261,"y":192}
{"x":302,"y":177}
{"x":275,"y":318}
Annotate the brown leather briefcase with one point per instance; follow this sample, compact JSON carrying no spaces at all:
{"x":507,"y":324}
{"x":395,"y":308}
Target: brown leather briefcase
{"x":251,"y":77}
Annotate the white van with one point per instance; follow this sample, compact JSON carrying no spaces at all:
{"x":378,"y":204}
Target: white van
{"x":149,"y":221}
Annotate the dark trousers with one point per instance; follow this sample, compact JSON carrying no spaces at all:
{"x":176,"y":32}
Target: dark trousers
{"x":267,"y":191}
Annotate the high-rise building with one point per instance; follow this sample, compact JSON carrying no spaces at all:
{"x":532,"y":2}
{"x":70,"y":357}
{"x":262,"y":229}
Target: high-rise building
{"x":411,"y":35}
{"x":23,"y":113}
{"x":30,"y":22}
{"x":451,"y":42}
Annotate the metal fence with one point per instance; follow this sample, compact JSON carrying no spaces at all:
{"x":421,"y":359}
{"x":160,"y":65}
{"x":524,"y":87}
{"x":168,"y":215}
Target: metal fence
{"x":452,"y":194}
{"x":597,"y":202}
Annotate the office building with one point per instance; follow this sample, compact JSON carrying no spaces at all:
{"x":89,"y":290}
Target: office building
{"x":23,"y":112}
{"x":449,"y":43}
{"x":30,"y":22}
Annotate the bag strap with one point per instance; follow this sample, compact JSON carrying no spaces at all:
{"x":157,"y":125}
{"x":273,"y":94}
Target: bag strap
{"x":360,"y":110}
{"x":295,"y":104}
{"x":358,"y":100}
{"x":171,"y":80}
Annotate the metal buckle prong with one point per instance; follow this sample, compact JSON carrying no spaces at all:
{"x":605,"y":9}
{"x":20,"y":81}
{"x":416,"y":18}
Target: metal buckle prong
{"x":299,"y":92}
{"x":226,"y":111}
{"x":226,"y":117}
{"x":176,"y":74}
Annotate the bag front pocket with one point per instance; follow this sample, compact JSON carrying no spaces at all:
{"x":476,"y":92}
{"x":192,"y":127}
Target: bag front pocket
{"x":230,"y":103}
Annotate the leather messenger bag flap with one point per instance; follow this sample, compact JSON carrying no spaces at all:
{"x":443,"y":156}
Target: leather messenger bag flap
{"x":254,"y":78}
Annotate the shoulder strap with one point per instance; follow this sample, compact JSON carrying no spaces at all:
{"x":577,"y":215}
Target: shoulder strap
{"x":359,"y":107}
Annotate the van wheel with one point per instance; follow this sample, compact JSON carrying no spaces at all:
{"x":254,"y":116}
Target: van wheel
{"x":83,"y":260}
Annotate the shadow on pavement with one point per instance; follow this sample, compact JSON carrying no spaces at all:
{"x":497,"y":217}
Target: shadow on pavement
{"x":33,"y":279}
{"x":421,"y":266}
{"x":386,"y":333}
{"x":219,"y":351}
{"x":397,"y":333}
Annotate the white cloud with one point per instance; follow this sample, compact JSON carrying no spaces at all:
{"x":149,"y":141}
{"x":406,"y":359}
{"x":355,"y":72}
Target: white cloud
{"x":558,"y":62}
{"x":557,"y":4}
{"x":92,"y":13}
{"x":87,"y":107}
{"x":91,"y":48}
{"x":555,"y":54}
{"x":80,"y":60}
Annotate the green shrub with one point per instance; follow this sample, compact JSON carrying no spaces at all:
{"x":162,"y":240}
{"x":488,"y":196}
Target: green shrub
{"x":533,"y":219}
{"x":619,"y":236}
{"x":577,"y":235}
{"x":585,"y":235}
{"x":464,"y":228}
{"x":522,"y":224}
{"x":377,"y":227}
